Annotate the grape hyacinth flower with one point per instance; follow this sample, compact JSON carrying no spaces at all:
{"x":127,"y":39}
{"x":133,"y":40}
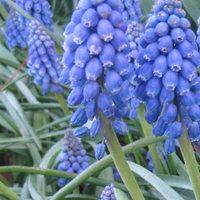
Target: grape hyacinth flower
{"x":73,"y":158}
{"x":39,"y":9}
{"x":166,"y":75}
{"x":43,"y":60}
{"x":96,"y":66}
{"x":108,"y":193}
{"x":132,"y":19}
{"x":132,"y":16}
{"x":15,"y":34}
{"x":131,"y":10}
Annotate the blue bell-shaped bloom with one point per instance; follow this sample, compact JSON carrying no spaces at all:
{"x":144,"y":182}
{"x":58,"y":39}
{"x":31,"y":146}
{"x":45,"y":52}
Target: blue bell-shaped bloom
{"x":120,"y":127}
{"x":100,"y":151}
{"x":169,"y":113}
{"x":169,"y":145}
{"x":81,"y":132}
{"x":95,"y":128}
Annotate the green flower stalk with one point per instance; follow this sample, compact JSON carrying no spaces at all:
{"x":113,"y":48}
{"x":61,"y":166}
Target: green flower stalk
{"x":120,"y":160}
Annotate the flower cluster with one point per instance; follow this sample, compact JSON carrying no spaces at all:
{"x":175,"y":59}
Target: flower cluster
{"x":73,"y":158}
{"x":96,"y":65}
{"x":43,"y":60}
{"x":132,"y":16}
{"x":132,"y":10}
{"x":150,"y":164}
{"x":39,"y":9}
{"x":108,"y":193}
{"x":15,"y":34}
{"x":166,"y":74}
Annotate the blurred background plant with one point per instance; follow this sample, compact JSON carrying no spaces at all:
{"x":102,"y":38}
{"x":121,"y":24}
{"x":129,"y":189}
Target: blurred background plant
{"x":32,"y":127}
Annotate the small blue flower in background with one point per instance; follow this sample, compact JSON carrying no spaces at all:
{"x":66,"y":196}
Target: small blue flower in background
{"x":96,"y":65}
{"x":108,"y":193}
{"x":166,"y":76}
{"x":43,"y":60}
{"x":39,"y":9}
{"x":15,"y":34}
{"x":132,"y":16}
{"x":73,"y":158}
{"x":116,"y":174}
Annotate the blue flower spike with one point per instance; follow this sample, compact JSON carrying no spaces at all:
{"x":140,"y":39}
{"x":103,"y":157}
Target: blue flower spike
{"x":168,"y":48}
{"x":73,"y":158}
{"x":43,"y":60}
{"x":99,"y":50}
{"x":40,"y":10}
{"x":15,"y":33}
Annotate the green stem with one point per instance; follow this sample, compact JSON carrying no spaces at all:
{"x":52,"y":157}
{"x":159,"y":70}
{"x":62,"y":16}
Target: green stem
{"x":190,"y":162}
{"x":120,"y":160}
{"x":152,"y":148}
{"x":30,"y":18}
{"x":62,"y":102}
{"x":99,"y":165}
{"x":136,"y":154}
{"x":8,"y":193}
{"x":56,"y":173}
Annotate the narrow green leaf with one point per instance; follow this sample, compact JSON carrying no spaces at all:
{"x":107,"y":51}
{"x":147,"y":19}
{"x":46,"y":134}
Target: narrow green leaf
{"x":13,"y":146}
{"x":167,"y":192}
{"x":15,"y":110}
{"x":8,"y":122}
{"x":180,"y":167}
{"x":186,"y":194}
{"x":5,"y":54}
{"x":55,"y":122}
{"x":24,"y":89}
{"x":176,"y":181}
{"x":46,"y":162}
{"x":3,"y":11}
{"x":16,"y":140}
{"x":15,"y":80}
{"x":120,"y":195}
{"x":33,"y":189}
{"x":14,"y":107}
